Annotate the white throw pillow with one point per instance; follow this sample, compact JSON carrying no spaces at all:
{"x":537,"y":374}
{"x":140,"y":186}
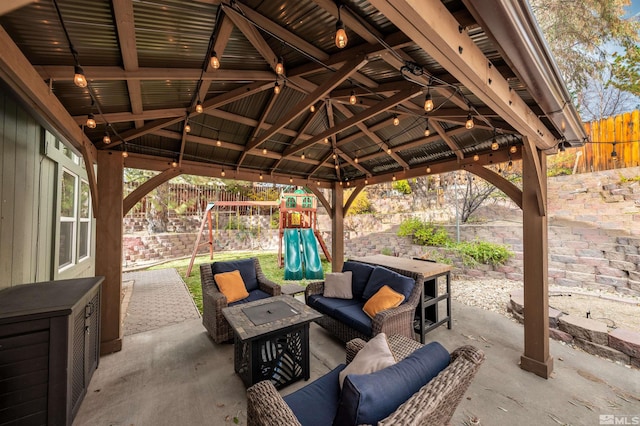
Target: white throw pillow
{"x":374,"y":356}
{"x":338,"y":285}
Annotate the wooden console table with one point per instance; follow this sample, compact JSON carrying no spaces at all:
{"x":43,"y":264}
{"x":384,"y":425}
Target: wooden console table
{"x":428,"y":316}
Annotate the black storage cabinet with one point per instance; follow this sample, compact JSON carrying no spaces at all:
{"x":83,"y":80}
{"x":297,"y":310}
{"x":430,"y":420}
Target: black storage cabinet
{"x":49,"y":349}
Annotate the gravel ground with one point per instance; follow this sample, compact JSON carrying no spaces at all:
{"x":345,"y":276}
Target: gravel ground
{"x":493,"y":295}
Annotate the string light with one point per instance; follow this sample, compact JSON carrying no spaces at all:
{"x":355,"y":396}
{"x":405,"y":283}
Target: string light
{"x":187,"y":128}
{"x":199,"y":107}
{"x":106,"y":139}
{"x":218,"y":142}
{"x":494,"y":144}
{"x":290,"y":180}
{"x":396,"y":120}
{"x":614,"y":154}
{"x":215,"y":62}
{"x":427,"y":131}
{"x":222,"y":173}
{"x":513,"y":149}
{"x":561,"y":146}
{"x":352,"y":98}
{"x":334,"y":156}
{"x":366,"y":181}
{"x":510,"y":165}
{"x":312,"y":108}
{"x":393,"y":178}
{"x":337,"y":166}
{"x":125,"y":154}
{"x":476,"y":157}
{"x":79,"y":79}
{"x":276,"y":88}
{"x":302,"y":156}
{"x":428,"y":169}
{"x":260,"y":176}
{"x":91,"y":121}
{"x":280,"y":66}
{"x":326,"y":140}
{"x":428,"y":102}
{"x":469,"y":124}
{"x":174,"y":164}
{"x":355,"y":160}
{"x":389,"y":151}
{"x":341,"y":33}
{"x":348,"y":183}
{"x":264,"y":151}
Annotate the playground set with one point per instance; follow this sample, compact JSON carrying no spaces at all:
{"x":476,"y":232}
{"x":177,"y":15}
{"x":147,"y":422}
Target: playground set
{"x":297,"y":232}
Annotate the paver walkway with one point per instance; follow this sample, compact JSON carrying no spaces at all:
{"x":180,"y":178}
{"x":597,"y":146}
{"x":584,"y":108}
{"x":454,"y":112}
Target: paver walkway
{"x":159,"y":298}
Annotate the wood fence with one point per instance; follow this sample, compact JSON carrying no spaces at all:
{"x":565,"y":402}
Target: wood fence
{"x":613,"y":143}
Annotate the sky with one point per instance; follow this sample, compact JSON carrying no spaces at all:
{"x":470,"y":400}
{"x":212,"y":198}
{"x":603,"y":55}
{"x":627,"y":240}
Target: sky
{"x":634,"y":9}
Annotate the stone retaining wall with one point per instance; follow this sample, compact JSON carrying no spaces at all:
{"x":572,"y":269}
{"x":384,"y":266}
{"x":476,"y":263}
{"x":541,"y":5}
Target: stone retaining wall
{"x":592,"y":336}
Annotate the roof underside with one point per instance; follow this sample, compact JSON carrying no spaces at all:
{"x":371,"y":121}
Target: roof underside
{"x":147,"y":63}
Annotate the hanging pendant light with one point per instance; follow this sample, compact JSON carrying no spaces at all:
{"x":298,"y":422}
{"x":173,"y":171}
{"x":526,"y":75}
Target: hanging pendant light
{"x":264,"y":151}
{"x":276,"y":88}
{"x":428,"y":102}
{"x":428,"y":169}
{"x":393,"y":178}
{"x":427,"y":131}
{"x":280,"y":66}
{"x":106,"y":139}
{"x":341,"y":33}
{"x":79,"y":79}
{"x":187,"y":128}
{"x":91,"y":121}
{"x":199,"y":107}
{"x":215,"y":62}
{"x":396,"y":120}
{"x":222,"y":173}
{"x":352,"y":98}
{"x":125,"y":154}
{"x":469,"y":124}
{"x":174,"y":164}
{"x":476,"y":157}
{"x":312,"y":108}
{"x":302,"y":156}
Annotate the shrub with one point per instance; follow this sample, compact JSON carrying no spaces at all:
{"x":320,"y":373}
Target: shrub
{"x":424,"y":233}
{"x":361,"y":204}
{"x":475,"y":252}
{"x":402,"y":186}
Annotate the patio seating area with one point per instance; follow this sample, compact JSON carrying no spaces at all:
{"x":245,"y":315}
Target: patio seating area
{"x":178,"y":375}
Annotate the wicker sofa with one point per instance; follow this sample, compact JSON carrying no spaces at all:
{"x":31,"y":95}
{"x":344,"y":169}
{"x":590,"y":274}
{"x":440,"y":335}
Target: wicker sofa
{"x":213,"y":301}
{"x":433,"y":404}
{"x":345,"y":319}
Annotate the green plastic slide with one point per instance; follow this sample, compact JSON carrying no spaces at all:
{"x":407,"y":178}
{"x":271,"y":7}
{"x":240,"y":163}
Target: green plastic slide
{"x":312,"y":264}
{"x":292,"y":257}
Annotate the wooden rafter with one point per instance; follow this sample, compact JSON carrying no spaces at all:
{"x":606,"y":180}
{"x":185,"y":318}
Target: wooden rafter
{"x":123,"y":117}
{"x":531,"y":155}
{"x":223,"y":32}
{"x":147,"y":187}
{"x":445,"y":137}
{"x":253,"y":35}
{"x":7,"y":6}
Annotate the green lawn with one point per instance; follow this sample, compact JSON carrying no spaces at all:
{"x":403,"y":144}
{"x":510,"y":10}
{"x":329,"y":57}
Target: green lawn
{"x":268,"y":262}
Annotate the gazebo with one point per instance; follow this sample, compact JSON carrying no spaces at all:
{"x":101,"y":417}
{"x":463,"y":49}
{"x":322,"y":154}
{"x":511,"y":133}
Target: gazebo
{"x":317,"y":93}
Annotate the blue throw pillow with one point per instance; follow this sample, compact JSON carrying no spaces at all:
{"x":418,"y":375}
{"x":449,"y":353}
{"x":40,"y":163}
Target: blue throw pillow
{"x":382,"y":276}
{"x":246,"y":267}
{"x":361,"y":273}
{"x":369,"y":398}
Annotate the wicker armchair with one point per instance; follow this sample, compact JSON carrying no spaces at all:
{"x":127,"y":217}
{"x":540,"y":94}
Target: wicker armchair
{"x":434,"y":404}
{"x":213,"y":301}
{"x":392,"y":321}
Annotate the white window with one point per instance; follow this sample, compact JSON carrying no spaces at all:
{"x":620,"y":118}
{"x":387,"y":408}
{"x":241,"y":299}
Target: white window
{"x":68,"y":220}
{"x":84,"y":239}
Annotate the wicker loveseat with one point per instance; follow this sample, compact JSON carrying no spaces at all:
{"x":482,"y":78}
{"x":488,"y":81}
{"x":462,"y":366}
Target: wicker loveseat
{"x":345,"y":318}
{"x":433,"y":404}
{"x":213,"y":301}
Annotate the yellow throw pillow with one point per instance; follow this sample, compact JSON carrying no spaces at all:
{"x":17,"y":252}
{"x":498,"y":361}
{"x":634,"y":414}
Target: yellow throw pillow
{"x":384,"y":299}
{"x":231,"y":285}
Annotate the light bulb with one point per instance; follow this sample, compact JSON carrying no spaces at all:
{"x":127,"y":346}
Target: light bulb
{"x":276,"y":88}
{"x":393,"y":177}
{"x":222,"y":173}
{"x":280,"y":66}
{"x":428,"y":169}
{"x":355,"y":160}
{"x":302,"y":156}
{"x":187,"y":128}
{"x":215,"y":62}
{"x":348,"y":183}
{"x":366,"y":181}
{"x":218,"y":142}
{"x":337,"y":166}
{"x":476,"y":157}
{"x":312,"y":108}
{"x":290,"y":180}
{"x":334,"y":156}
{"x":91,"y":121}
{"x":510,"y":165}
{"x":340,"y":183}
{"x":260,"y":176}
{"x":125,"y":154}
{"x":469,"y":124}
{"x":106,"y":139}
{"x":264,"y":151}
{"x":79,"y":79}
{"x":318,"y":182}
{"x":199,"y":107}
{"x":389,"y":151}
{"x":494,"y":145}
{"x":341,"y":35}
{"x":326,"y":140}
{"x":396,"y":120}
{"x":428,"y":103}
{"x":427,"y":132}
{"x":174,"y":163}
{"x":352,"y":98}
{"x":513,"y":149}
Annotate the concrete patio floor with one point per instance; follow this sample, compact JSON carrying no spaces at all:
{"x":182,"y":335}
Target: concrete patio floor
{"x":177,"y":375}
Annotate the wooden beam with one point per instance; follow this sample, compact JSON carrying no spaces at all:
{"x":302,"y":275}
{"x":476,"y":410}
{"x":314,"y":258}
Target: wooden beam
{"x":352,"y":23}
{"x":531,"y":156}
{"x":147,"y":187}
{"x":445,"y":137}
{"x":7,"y":6}
{"x":435,"y":30}
{"x":356,"y":190}
{"x":65,"y":73}
{"x":123,"y":117}
{"x":358,"y":118}
{"x":499,"y":182}
{"x":321,"y":91}
{"x":253,"y":35}
{"x":325,"y":203}
{"x":337,"y":228}
{"x":223,"y":33}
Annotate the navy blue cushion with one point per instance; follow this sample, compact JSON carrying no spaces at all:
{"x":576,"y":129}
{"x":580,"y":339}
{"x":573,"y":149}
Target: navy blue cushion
{"x":361,"y":273}
{"x":316,"y":403}
{"x":382,"y":276}
{"x":327,"y":305}
{"x":253,"y":295}
{"x":369,"y":398}
{"x":246,"y":267}
{"x":353,"y":316}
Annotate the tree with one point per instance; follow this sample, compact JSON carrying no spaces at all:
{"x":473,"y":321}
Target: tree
{"x":476,"y":191}
{"x":157,"y":213}
{"x":579,"y":34}
{"x":626,"y":72}
{"x":603,"y":99}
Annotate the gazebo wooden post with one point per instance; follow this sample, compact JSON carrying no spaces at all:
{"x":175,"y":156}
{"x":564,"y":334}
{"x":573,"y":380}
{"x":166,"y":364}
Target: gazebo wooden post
{"x":109,"y":247}
{"x":536,"y":357}
{"x":337,"y":228}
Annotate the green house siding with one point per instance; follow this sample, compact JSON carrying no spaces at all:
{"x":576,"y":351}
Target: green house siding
{"x":29,"y":184}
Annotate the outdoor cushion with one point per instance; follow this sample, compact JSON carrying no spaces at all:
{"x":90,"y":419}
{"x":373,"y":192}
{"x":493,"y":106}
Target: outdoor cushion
{"x":374,"y":356}
{"x":384,"y":299}
{"x":316,"y":403}
{"x":328,"y":305}
{"x":369,"y":398}
{"x":354,"y":317}
{"x":381,"y":276}
{"x":247,"y":268}
{"x":231,"y":285}
{"x":338,"y":285}
{"x":361,"y":274}
{"x":253,"y":295}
